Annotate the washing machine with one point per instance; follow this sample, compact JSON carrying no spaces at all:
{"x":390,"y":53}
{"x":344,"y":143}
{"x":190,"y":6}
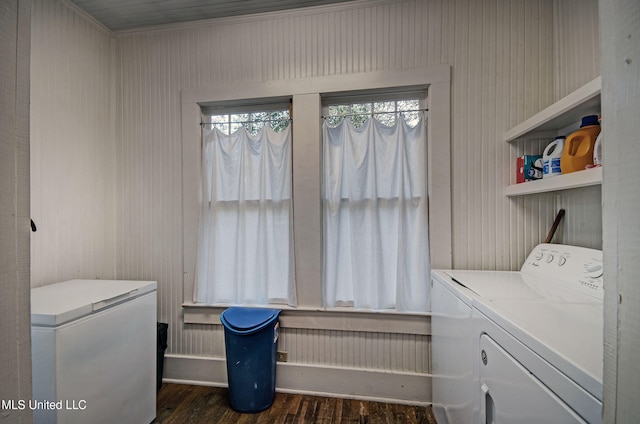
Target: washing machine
{"x":524,"y":346}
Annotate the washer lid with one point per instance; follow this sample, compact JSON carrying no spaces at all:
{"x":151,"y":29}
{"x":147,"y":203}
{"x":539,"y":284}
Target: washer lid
{"x":247,"y":319}
{"x":516,"y":285}
{"x":503,"y":284}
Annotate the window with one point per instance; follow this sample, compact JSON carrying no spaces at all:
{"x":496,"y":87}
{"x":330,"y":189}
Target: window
{"x":386,"y":112}
{"x":308,"y":97}
{"x":376,"y":252}
{"x":245,"y":237}
{"x":253,"y":122}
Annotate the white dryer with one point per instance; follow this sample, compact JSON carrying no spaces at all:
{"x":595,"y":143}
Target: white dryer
{"x":520,"y":346}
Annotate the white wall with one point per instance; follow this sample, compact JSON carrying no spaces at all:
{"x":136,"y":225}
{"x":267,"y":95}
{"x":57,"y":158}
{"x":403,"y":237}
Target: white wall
{"x":503,"y":72}
{"x":577,"y":61}
{"x":501,"y":55}
{"x":73,"y":153}
{"x":576,"y":44}
{"x":15,"y":347}
{"x":505,"y":68}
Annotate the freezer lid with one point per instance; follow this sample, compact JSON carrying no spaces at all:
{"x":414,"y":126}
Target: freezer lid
{"x":59,"y":303}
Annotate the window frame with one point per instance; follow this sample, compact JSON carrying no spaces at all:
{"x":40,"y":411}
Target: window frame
{"x":213,"y":204}
{"x":374,"y":96}
{"x":307,"y":94}
{"x":370,"y":97}
{"x":269,"y":106}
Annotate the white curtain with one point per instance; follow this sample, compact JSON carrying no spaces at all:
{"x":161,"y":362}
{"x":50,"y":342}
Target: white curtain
{"x":245,"y":241}
{"x":376,"y":249}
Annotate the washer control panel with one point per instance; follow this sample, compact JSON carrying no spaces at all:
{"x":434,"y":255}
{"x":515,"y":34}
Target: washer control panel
{"x":580,"y":268}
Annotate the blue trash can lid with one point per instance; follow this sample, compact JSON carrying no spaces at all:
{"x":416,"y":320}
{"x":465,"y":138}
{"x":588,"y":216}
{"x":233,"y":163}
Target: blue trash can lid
{"x":243,"y":319}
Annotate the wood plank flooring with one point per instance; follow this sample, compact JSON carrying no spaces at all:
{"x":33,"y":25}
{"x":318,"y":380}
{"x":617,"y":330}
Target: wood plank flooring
{"x":179,"y":404}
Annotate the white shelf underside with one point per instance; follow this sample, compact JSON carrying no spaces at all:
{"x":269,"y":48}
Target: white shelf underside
{"x":565,"y":112}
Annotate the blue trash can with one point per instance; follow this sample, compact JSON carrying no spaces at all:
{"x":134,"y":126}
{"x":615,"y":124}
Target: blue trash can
{"x":251,"y":340}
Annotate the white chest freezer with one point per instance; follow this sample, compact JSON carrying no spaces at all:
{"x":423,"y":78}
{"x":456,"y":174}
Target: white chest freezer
{"x":94,"y":352}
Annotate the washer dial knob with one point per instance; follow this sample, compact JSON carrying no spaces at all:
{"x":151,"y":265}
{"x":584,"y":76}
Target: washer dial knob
{"x":594,"y":270}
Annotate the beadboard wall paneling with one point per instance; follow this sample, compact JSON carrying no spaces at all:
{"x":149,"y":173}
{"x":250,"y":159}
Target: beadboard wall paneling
{"x":352,"y":349}
{"x":73,"y":151}
{"x":501,"y":53}
{"x":577,"y":61}
{"x":92,"y":197}
{"x":149,"y":170}
{"x":503,"y":73}
{"x":576,"y":44}
{"x":357,"y":349}
{"x":583,"y":219}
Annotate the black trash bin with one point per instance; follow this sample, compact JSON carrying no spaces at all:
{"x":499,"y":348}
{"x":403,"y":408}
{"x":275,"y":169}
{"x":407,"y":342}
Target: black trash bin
{"x":251,"y":337}
{"x":162,"y":347}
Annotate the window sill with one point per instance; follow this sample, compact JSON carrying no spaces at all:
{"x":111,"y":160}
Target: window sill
{"x":339,"y":319}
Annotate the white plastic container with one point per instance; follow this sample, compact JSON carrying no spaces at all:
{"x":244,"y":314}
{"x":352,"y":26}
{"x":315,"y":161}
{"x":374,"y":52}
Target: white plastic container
{"x":597,"y":151}
{"x":551,"y":158}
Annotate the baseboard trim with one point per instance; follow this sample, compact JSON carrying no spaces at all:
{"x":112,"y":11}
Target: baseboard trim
{"x":318,"y":380}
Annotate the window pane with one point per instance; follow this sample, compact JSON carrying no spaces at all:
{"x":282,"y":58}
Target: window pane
{"x":219,"y":118}
{"x":413,"y":117}
{"x":385,"y":112}
{"x":238,"y":120}
{"x":360,"y":112}
{"x":254,"y":127}
{"x":408,"y":104}
{"x":280,"y":125}
{"x":220,"y":122}
{"x":279,"y":120}
{"x":384,"y":106}
{"x":334,"y":121}
{"x":259,"y":116}
{"x":361,"y":108}
{"x":281,"y":114}
{"x":336,"y":112}
{"x":235,"y":127}
{"x":253,"y":121}
{"x":239,"y":117}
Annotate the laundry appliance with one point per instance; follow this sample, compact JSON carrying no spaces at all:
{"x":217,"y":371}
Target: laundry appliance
{"x":94,"y":353}
{"x":520,"y":346}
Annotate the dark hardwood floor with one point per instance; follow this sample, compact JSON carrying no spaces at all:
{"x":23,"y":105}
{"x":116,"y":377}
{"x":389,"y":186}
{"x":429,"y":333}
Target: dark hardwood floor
{"x":179,"y":403}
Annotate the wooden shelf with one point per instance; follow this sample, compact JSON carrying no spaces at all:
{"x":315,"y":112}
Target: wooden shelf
{"x":577,"y":179}
{"x":560,"y":115}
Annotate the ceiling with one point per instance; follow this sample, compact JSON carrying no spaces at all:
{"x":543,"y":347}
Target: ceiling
{"x":119,"y":15}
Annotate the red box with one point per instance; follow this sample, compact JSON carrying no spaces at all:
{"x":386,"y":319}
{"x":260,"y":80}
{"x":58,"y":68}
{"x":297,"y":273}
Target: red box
{"x":527,"y":169}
